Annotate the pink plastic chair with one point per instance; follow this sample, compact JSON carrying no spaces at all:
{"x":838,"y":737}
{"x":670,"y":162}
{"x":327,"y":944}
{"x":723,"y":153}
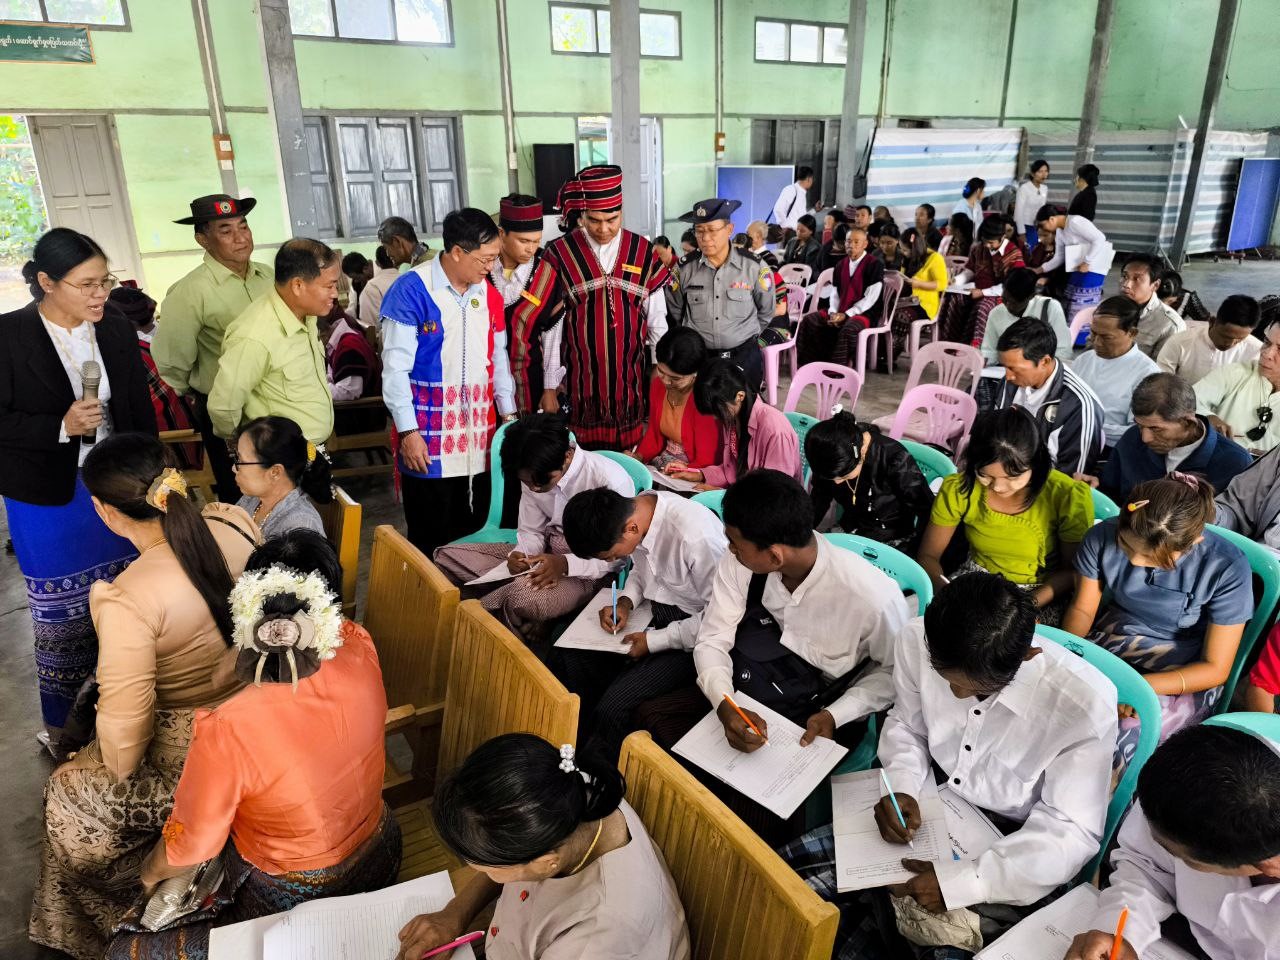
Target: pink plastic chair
{"x":954,"y":362}
{"x":948,"y":415}
{"x":1081,"y":323}
{"x":772,"y":354}
{"x":825,"y":278}
{"x":796,"y":274}
{"x":796,"y":297}
{"x":870,"y":337}
{"x":955,"y":265}
{"x":833,"y":383}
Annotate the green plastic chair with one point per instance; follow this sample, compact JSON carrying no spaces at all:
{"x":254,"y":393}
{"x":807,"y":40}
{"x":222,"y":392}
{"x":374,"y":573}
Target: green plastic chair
{"x":1134,"y":691}
{"x":1257,"y":724}
{"x":904,"y":571}
{"x":1266,"y":569}
{"x":1104,"y":508}
{"x":493,"y":531}
{"x":934,"y":464}
{"x":802,"y":423}
{"x":636,"y":470}
{"x":713,"y":500}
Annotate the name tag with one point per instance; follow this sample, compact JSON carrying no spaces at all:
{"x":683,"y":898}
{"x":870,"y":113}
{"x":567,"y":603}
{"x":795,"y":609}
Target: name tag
{"x":531,"y":298}
{"x":631,"y":268}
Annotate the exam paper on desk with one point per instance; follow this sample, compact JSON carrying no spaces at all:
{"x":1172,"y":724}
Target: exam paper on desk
{"x":778,"y":776}
{"x":336,"y":928}
{"x":585,"y":633}
{"x":864,"y":858}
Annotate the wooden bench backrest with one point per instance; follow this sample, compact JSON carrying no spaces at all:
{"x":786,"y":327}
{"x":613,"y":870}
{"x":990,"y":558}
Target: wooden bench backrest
{"x":342,"y":519}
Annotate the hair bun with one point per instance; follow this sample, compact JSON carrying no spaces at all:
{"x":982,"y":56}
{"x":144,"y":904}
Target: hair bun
{"x":30,"y":271}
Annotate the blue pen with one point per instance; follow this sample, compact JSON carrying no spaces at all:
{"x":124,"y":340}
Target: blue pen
{"x":615,"y":608}
{"x":884,"y":777}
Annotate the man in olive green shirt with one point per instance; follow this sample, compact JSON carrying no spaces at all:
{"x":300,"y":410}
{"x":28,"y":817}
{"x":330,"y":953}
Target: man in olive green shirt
{"x":272,"y":358}
{"x":199,"y":307}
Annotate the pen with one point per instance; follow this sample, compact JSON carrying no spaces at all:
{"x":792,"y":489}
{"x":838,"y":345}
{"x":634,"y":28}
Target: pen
{"x":615,"y":607}
{"x":1115,"y":945}
{"x":884,"y":777}
{"x":746,"y":719}
{"x":454,"y":945}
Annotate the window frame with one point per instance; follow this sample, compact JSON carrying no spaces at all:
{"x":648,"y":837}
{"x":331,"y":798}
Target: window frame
{"x":422,"y":183}
{"x":337,"y":38}
{"x":822,"y":25}
{"x":598,"y":7}
{"x":46,"y":22}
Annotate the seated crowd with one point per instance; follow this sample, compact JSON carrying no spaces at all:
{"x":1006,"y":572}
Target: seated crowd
{"x":227,"y":722}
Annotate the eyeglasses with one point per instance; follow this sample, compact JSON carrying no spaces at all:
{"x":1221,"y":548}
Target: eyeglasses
{"x":1264,"y":415}
{"x":237,"y":462}
{"x":88,"y":287}
{"x":486,"y":262}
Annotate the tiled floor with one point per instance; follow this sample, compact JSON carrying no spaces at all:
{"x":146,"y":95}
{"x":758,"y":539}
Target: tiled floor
{"x":25,"y":768}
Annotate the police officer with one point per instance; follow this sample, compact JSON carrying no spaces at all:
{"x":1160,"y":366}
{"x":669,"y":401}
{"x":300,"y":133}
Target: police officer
{"x":724,"y":293}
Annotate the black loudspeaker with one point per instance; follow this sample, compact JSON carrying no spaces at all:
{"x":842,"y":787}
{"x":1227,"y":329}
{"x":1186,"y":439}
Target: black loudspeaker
{"x":552,"y":166}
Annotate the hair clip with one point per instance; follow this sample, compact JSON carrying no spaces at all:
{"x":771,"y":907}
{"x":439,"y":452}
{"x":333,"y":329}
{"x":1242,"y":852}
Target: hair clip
{"x":311,"y":452}
{"x":169,"y":481}
{"x":838,"y":408}
{"x":566,"y":759}
{"x":1137,"y":505}
{"x":1189,"y":479}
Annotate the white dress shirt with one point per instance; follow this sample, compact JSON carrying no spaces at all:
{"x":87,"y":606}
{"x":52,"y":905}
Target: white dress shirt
{"x":1230,"y":918}
{"x":869,"y":296}
{"x":1027,"y":203}
{"x":370,"y":302}
{"x":1079,"y":230}
{"x":790,"y":206}
{"x":539,"y":512}
{"x":1114,"y":380}
{"x":1038,"y":752}
{"x":655,"y":308}
{"x":1192,"y":355}
{"x":844,"y":612}
{"x":74,"y":348}
{"x":995,"y":290}
{"x":511,"y":287}
{"x":1033,"y":398}
{"x":676,"y":563}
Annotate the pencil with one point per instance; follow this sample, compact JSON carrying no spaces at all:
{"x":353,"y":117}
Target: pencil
{"x":615,"y":608}
{"x":746,"y":719}
{"x":884,"y":777}
{"x":1119,"y":940}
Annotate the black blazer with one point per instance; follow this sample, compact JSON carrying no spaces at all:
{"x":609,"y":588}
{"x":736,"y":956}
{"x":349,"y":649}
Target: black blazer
{"x":35,"y":394}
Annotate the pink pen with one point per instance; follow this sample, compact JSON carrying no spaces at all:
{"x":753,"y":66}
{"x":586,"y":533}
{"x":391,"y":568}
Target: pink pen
{"x":460,"y":942}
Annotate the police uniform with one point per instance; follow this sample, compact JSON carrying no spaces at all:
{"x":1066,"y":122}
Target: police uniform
{"x":729,"y":305}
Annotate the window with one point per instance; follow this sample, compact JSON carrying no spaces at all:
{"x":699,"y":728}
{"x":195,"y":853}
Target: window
{"x":94,"y":13}
{"x":788,"y":41}
{"x":581,"y":28}
{"x":593,"y":141}
{"x":406,"y":21}
{"x":365,"y":169}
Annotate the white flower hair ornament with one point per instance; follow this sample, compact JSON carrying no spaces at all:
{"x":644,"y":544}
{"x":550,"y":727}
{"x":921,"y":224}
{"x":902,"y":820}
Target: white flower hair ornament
{"x":301,"y":639}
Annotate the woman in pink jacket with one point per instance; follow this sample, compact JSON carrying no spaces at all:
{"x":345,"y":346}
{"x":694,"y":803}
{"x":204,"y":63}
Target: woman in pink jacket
{"x":752,"y":433}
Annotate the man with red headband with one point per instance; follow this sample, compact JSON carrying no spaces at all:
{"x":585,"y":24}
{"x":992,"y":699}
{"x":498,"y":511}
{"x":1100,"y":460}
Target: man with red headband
{"x":608,"y":277}
{"x":530,"y":292}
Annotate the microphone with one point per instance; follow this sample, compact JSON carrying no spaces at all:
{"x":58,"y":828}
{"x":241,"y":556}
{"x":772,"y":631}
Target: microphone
{"x":91,"y":377}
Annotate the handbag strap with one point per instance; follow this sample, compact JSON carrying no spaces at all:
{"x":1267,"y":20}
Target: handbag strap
{"x":239,"y":530}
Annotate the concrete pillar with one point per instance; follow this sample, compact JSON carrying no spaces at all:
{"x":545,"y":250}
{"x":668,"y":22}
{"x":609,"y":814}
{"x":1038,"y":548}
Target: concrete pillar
{"x":624,"y":70}
{"x":508,"y":107}
{"x":849,"y":153}
{"x":213,"y":88}
{"x":285,"y":108}
{"x":1218,"y":57}
{"x":1099,"y":58}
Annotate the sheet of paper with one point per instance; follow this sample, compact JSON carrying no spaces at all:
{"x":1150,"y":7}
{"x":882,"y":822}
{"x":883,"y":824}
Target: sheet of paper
{"x":965,"y":287}
{"x":497,"y":574}
{"x":969,"y":829}
{"x":865,"y":859}
{"x":672,"y":483}
{"x":585,"y":633}
{"x":995,"y":372}
{"x":1047,"y":933}
{"x":336,"y":928}
{"x":778,"y":776}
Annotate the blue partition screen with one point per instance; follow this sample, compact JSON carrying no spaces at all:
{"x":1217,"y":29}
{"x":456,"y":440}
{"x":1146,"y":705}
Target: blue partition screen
{"x":756,"y":186}
{"x":1255,"y":209}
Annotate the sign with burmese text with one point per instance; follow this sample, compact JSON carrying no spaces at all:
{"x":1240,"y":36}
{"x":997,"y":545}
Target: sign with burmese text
{"x":41,"y":43}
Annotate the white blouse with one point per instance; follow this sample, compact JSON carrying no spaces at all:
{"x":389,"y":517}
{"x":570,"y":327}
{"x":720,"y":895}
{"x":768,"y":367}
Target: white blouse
{"x":74,"y":349}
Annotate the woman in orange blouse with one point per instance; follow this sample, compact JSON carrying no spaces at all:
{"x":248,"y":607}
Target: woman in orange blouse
{"x":284,"y":780}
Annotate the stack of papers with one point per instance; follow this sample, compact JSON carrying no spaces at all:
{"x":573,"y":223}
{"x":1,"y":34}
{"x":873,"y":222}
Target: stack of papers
{"x":778,"y":776}
{"x":1047,"y":933}
{"x":337,"y":928}
{"x":585,"y":633}
{"x":496,"y":575}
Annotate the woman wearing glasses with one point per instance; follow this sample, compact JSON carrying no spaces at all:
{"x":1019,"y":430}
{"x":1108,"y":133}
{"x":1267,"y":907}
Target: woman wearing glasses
{"x":47,"y":427}
{"x":1242,"y":400}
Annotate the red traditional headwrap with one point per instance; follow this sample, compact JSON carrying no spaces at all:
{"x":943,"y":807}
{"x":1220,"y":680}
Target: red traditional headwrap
{"x":520,"y":217}
{"x":601,"y":187}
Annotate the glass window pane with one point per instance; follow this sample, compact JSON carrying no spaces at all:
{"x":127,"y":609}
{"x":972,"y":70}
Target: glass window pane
{"x":771,"y":40}
{"x":659,"y":35}
{"x":573,"y":30}
{"x":834,"y":47}
{"x":366,"y":20}
{"x":423,"y":21}
{"x":604,"y":41}
{"x":20,"y":10}
{"x":85,"y":11}
{"x":311,"y":18}
{"x":805,"y":40}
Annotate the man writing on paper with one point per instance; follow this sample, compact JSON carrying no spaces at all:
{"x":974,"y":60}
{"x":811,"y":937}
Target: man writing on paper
{"x":1021,"y":728}
{"x":1202,"y":842}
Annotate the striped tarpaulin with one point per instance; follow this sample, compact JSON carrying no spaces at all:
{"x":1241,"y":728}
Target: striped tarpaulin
{"x":1219,"y":176}
{"x":910,"y":167}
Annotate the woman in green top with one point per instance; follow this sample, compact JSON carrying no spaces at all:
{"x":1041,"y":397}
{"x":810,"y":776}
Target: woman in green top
{"x":1023,"y":520}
